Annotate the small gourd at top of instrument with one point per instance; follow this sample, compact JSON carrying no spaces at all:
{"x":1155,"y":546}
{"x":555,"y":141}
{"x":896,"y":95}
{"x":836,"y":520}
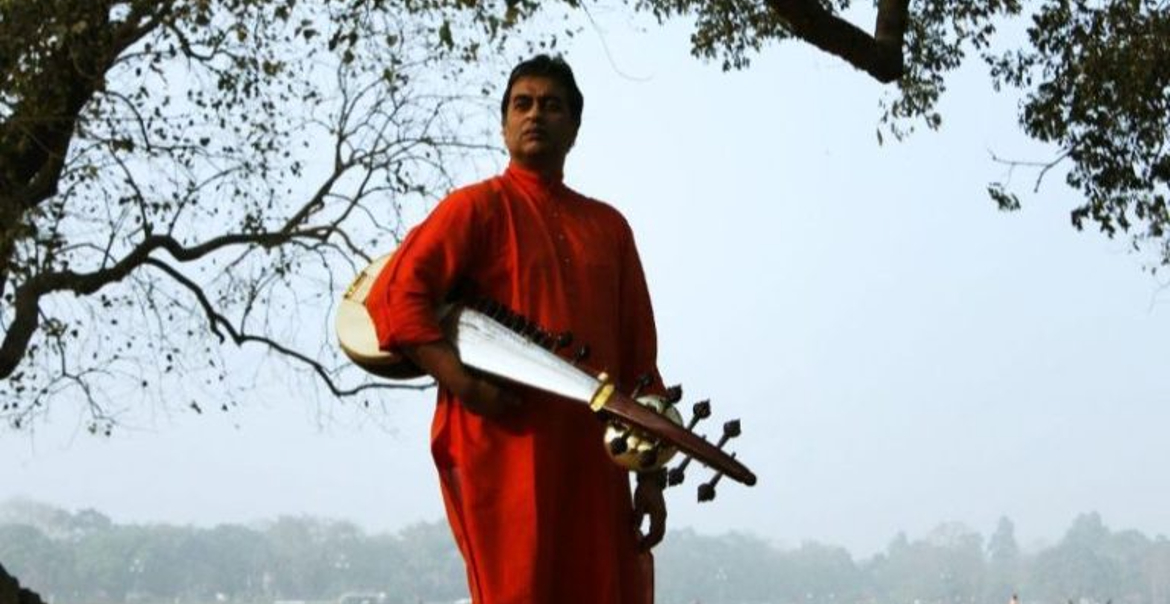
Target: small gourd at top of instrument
{"x":355,"y":329}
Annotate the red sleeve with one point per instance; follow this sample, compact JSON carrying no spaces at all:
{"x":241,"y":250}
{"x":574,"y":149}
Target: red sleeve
{"x":639,"y":333}
{"x":430,"y":261}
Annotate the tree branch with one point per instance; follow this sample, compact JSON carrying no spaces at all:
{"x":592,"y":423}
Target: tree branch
{"x":26,"y":305}
{"x":218,"y":321}
{"x":879,"y":55}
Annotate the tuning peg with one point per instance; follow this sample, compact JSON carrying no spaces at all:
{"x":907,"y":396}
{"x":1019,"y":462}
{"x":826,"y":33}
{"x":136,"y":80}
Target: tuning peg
{"x":643,"y":381}
{"x":706,"y":490}
{"x":673,"y":394}
{"x":700,"y":412}
{"x":730,"y":431}
{"x":677,"y":474}
{"x":564,"y":339}
{"x":582,"y":354}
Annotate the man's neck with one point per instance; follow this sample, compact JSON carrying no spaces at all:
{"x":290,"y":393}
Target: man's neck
{"x":549,"y":171}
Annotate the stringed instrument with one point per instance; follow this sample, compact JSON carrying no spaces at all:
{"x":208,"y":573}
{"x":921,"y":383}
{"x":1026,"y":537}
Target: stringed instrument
{"x":643,"y":432}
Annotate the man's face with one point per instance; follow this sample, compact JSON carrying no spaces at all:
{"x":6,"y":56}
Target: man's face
{"x":538,"y":127}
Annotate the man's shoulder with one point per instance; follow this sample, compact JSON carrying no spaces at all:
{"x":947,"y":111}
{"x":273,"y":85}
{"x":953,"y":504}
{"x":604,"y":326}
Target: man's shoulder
{"x":602,"y":210}
{"x":474,"y":199}
{"x":484,"y":191}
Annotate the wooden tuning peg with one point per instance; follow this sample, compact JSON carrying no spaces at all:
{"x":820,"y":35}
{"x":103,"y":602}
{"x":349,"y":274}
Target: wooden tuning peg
{"x":641,"y":384}
{"x":700,"y":412}
{"x":674,"y":394}
{"x":706,"y":491}
{"x":582,"y":354}
{"x":730,"y":430}
{"x":564,"y":339}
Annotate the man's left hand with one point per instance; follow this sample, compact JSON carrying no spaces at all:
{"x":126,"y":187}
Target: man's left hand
{"x":648,"y":501}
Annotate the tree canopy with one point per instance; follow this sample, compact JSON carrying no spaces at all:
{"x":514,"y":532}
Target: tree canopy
{"x":83,"y":556}
{"x":1093,"y":74}
{"x":177,"y":175}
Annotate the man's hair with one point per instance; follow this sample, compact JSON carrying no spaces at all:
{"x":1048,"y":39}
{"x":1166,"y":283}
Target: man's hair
{"x":553,"y":68}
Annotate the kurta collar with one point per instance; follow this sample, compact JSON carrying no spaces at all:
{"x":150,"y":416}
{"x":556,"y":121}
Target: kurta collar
{"x":533,"y":181}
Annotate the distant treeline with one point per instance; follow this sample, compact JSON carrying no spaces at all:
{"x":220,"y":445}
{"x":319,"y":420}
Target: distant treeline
{"x":84,"y":558}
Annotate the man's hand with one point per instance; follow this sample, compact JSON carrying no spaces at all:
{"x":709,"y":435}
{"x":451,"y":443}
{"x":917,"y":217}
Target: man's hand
{"x":648,"y":501}
{"x":479,"y":394}
{"x":483,"y":397}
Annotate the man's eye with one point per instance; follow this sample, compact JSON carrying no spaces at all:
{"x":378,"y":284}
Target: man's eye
{"x":521,"y":103}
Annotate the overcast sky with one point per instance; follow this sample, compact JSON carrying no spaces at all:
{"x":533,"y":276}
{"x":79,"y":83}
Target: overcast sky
{"x":900,"y":352}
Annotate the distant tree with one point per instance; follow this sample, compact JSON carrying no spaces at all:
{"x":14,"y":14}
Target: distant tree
{"x":433,"y":566}
{"x":310,"y":558}
{"x":821,"y":573}
{"x":239,"y":557}
{"x":1003,"y":563}
{"x":1157,"y":569}
{"x":107,"y":565}
{"x":1080,"y":566}
{"x":1002,"y":547}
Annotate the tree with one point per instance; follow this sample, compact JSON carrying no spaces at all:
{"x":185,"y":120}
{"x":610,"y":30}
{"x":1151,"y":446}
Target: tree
{"x":160,"y":193}
{"x":1093,"y":75}
{"x":178,"y":175}
{"x":1081,"y":565}
{"x":1003,"y":562}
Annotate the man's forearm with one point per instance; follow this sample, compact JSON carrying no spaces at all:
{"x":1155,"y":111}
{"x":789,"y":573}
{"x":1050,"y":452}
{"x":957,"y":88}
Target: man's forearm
{"x":439,"y":360}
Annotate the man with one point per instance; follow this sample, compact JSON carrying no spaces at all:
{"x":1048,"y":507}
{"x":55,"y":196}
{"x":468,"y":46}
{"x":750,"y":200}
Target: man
{"x":539,"y":511}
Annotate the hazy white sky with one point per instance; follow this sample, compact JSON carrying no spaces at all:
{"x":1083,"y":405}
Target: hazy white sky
{"x":901,"y":354}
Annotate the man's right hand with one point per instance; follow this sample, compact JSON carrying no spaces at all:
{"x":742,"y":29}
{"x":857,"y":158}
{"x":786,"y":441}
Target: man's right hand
{"x":479,"y":394}
{"x":484,"y":397}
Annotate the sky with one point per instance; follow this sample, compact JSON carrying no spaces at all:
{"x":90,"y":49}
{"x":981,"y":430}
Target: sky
{"x":901,"y":353}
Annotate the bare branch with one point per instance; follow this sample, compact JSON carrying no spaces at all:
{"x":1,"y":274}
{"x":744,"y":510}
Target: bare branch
{"x":218,"y":321}
{"x":27,"y":297}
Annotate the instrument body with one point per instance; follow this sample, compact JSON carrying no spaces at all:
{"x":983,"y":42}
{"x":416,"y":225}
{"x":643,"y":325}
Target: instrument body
{"x":522,"y":353}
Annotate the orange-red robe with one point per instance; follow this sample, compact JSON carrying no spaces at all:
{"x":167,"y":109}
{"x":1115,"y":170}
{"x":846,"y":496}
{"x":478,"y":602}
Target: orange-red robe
{"x":539,"y":511}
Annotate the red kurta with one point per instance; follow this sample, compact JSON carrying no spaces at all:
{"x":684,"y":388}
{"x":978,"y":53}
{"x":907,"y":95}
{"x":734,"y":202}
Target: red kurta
{"x":540,"y":512}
